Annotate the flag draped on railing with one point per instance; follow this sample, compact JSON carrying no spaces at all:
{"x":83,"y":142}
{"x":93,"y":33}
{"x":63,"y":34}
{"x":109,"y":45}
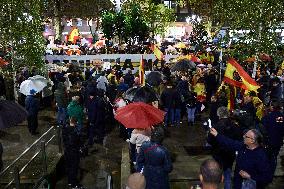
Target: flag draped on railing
{"x":246,"y":82}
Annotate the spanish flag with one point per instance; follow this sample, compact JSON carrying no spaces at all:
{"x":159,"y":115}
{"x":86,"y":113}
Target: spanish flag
{"x":157,"y":52}
{"x":142,"y":72}
{"x":246,"y":82}
{"x":74,"y":35}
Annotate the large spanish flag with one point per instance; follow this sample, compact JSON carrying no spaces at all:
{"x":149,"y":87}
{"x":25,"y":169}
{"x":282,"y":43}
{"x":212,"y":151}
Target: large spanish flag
{"x":246,"y":82}
{"x":142,"y":72}
{"x":74,"y":35}
{"x":157,"y":52}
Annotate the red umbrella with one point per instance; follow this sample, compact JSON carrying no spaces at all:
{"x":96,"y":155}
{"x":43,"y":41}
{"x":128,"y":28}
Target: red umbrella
{"x":3,"y":62}
{"x":139,"y":115}
{"x":265,"y":57}
{"x":195,"y":59}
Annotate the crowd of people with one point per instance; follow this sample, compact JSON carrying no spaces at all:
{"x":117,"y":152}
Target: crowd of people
{"x":250,"y":133}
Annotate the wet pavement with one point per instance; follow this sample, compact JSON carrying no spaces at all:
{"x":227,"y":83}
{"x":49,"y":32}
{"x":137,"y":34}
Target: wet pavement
{"x":186,"y":145}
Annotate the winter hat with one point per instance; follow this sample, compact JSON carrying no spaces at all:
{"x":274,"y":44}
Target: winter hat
{"x":32,"y":91}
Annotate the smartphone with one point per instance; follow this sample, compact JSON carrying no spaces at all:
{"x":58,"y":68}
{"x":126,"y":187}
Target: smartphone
{"x":209,"y":123}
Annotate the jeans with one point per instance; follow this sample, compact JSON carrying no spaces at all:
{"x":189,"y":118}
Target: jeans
{"x":61,"y":115}
{"x":91,"y":133}
{"x":32,"y":123}
{"x":169,"y":116}
{"x":177,"y":117}
{"x":191,"y":114}
{"x":227,"y":178}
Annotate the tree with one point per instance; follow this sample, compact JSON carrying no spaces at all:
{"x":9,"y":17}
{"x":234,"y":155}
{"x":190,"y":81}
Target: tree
{"x":21,"y":31}
{"x":258,"y":18}
{"x":108,"y":22}
{"x":156,"y":15}
{"x":87,"y":9}
{"x":136,"y":28}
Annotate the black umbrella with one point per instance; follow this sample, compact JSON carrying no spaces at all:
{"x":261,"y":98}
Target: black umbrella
{"x":154,"y":78}
{"x":11,"y":114}
{"x":183,"y":65}
{"x":141,"y":94}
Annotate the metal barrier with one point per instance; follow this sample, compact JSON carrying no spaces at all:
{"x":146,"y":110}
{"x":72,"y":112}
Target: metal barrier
{"x":16,"y":172}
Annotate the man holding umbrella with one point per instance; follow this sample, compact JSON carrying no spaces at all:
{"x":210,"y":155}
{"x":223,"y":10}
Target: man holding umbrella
{"x":32,"y":107}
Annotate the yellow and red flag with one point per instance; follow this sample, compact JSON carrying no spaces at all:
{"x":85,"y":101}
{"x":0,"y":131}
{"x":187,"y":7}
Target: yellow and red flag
{"x":157,"y":52}
{"x":142,"y":72}
{"x":74,"y":35}
{"x":246,"y":82}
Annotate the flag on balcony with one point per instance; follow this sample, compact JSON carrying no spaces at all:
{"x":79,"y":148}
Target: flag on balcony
{"x":74,"y":35}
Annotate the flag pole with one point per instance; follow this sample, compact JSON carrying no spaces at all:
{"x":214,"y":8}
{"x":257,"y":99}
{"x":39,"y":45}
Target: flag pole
{"x":220,"y":65}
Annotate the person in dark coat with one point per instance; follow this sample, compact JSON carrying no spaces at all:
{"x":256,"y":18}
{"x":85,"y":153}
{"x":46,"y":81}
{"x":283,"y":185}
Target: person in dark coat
{"x":122,"y":86}
{"x":274,"y":128}
{"x":91,"y":108}
{"x":222,"y":155}
{"x":155,"y":161}
{"x":167,"y":104}
{"x":210,"y":84}
{"x":171,"y":102}
{"x":100,"y":115}
{"x":213,"y":107}
{"x":129,"y":78}
{"x":251,"y":161}
{"x":32,"y":106}
{"x":71,"y":142}
{"x":61,"y":100}
{"x":190,"y":108}
{"x":1,"y":153}
{"x":112,"y":90}
{"x":248,"y":116}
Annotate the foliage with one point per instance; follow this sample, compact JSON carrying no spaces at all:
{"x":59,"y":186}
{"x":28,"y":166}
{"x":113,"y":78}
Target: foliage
{"x":108,"y":21}
{"x":77,"y":8}
{"x":21,"y":29}
{"x":260,"y":18}
{"x":136,"y":28}
{"x":157,"y":16}
{"x":199,"y":36}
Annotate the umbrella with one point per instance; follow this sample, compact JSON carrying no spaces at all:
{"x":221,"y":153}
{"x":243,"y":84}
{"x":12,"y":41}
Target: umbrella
{"x":154,"y":78}
{"x":195,"y":59}
{"x":11,"y":114}
{"x":36,"y":83}
{"x":201,"y":65}
{"x":3,"y":62}
{"x":183,"y":65}
{"x":265,"y":57}
{"x":141,"y":94}
{"x":139,"y":115}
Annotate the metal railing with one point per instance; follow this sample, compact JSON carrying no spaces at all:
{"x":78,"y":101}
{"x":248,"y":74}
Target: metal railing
{"x":16,"y":172}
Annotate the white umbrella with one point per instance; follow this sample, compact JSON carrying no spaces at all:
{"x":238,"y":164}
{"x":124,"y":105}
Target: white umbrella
{"x":36,"y":83}
{"x":201,"y":65}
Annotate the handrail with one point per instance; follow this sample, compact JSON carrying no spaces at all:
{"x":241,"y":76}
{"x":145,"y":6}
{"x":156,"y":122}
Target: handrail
{"x":28,"y":163}
{"x":28,"y":149}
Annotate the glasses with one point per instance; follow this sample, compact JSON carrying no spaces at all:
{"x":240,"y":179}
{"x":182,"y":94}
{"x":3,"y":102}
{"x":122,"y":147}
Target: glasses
{"x":245,"y":136}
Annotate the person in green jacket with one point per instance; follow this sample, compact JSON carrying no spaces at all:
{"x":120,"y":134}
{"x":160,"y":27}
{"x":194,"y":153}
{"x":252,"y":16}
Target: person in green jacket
{"x":75,"y":110}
